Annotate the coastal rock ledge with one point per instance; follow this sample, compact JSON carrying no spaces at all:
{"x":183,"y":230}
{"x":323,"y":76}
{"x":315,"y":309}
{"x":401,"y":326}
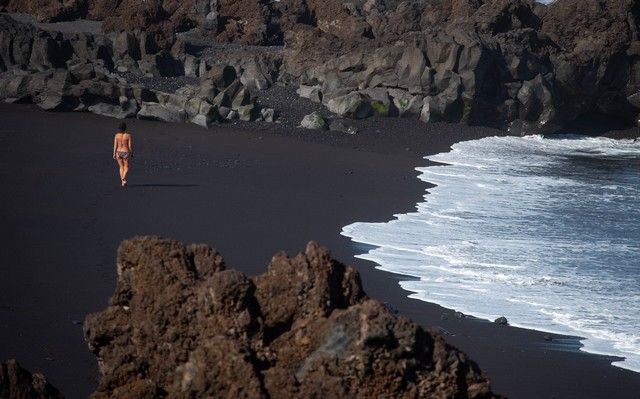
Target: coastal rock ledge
{"x":181,"y":325}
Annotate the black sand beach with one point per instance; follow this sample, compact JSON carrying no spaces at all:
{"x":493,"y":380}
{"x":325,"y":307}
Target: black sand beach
{"x":248,"y":190}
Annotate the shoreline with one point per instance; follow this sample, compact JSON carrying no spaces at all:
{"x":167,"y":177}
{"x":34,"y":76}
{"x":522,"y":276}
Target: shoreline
{"x":260,"y":187}
{"x":581,"y":340}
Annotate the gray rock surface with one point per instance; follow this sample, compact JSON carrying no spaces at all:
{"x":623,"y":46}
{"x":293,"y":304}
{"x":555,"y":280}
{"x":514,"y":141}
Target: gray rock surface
{"x":314,"y":121}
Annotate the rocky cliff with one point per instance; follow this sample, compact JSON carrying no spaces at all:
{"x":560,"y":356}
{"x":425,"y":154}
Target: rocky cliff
{"x":516,"y":65}
{"x":18,"y":383}
{"x":181,"y":325}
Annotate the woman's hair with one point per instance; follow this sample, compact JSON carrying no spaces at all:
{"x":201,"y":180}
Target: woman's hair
{"x":122,"y":127}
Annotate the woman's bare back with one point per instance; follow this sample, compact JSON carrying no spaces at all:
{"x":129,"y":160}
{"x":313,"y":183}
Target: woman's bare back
{"x":123,"y":142}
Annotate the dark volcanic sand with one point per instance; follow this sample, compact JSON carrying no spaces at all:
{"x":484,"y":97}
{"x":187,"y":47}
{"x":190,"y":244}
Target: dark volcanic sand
{"x":249,"y":190}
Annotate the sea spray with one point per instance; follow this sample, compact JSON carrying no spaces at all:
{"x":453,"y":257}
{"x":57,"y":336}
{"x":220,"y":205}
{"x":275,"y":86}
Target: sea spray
{"x":542,"y":231}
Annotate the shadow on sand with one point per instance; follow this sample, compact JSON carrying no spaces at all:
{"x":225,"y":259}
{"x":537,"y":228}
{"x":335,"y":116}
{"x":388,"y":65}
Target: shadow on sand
{"x":161,"y":185}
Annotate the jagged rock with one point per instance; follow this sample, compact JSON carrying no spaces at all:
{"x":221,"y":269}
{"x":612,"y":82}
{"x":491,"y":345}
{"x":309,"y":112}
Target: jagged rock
{"x":207,"y":115}
{"x":225,"y":97}
{"x":247,"y":113}
{"x":15,"y":88}
{"x":340,"y":126}
{"x":406,"y":104}
{"x":587,"y":55}
{"x":268,"y":114}
{"x":255,"y":76}
{"x":16,"y":41}
{"x":161,"y":64}
{"x":16,"y":382}
{"x":82,"y":71}
{"x":352,"y":105}
{"x":241,"y":98}
{"x":231,"y":115}
{"x":502,"y":321}
{"x":313,"y":93}
{"x":447,"y":106}
{"x":314,"y":121}
{"x":160,"y":112}
{"x":128,"y":109}
{"x":224,"y":111}
{"x":191,"y":66}
{"x":180,"y":324}
{"x":536,"y":102}
{"x":410,"y":69}
{"x":43,"y":53}
{"x":58,"y":102}
{"x":220,"y":75}
{"x":125,"y":44}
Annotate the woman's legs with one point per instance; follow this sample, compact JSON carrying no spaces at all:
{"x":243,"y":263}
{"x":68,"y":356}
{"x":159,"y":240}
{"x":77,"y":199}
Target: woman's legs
{"x":121,"y":165}
{"x":125,"y":169}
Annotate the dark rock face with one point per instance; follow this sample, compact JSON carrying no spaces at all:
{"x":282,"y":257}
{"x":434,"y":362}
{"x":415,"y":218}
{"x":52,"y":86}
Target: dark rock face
{"x":83,"y":72}
{"x":180,"y":325}
{"x":516,"y":65}
{"x":18,"y":383}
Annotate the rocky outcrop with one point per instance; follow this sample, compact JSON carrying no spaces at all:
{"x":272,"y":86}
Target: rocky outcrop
{"x":18,"y":383}
{"x":516,"y":65}
{"x":182,"y":325}
{"x":314,"y":121}
{"x":490,"y":62}
{"x":111,"y":75}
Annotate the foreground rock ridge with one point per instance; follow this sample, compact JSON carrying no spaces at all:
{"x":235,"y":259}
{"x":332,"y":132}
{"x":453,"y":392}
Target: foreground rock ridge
{"x":18,"y":383}
{"x":181,"y":325}
{"x":511,"y":64}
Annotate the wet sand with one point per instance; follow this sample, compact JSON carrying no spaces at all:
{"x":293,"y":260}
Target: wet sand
{"x":247,"y":189}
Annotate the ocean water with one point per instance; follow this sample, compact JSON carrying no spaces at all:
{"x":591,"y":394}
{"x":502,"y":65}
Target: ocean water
{"x":543,"y":231}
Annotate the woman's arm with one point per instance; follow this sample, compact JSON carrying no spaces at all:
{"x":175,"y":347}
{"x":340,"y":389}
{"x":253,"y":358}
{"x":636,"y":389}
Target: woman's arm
{"x":130,"y":146}
{"x":115,"y":146}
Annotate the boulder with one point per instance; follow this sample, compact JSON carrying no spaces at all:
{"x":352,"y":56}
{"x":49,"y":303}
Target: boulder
{"x":161,"y":64}
{"x":242,"y":97}
{"x":314,"y":121}
{"x":634,"y":99}
{"x":502,"y":321}
{"x":16,"y":89}
{"x":268,"y":114}
{"x":406,"y":104}
{"x":313,"y":93}
{"x":410,"y":69}
{"x":125,"y":44}
{"x":220,"y":75}
{"x":43,"y":53}
{"x":537,"y":103}
{"x":340,"y":126}
{"x":231,"y":115}
{"x":128,"y":109}
{"x":16,"y":382}
{"x":226,"y":96}
{"x":207,"y":115}
{"x":159,"y":112}
{"x":58,"y":102}
{"x":247,"y":112}
{"x":191,"y":66}
{"x":353,"y":105}
{"x":180,"y":324}
{"x":446,"y":106}
{"x":224,"y":111}
{"x":255,"y":76}
{"x":82,"y":71}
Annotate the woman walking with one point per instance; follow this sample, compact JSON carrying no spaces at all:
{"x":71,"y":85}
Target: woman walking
{"x":122,"y":151}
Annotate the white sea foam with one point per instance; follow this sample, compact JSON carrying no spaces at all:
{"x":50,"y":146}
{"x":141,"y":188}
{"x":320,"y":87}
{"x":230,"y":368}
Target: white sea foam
{"x":542,"y":231}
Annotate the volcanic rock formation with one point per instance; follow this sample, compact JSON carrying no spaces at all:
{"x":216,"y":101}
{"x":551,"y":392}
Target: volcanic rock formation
{"x":18,"y":383}
{"x":513,"y":64}
{"x":181,"y":325}
{"x":120,"y":75}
